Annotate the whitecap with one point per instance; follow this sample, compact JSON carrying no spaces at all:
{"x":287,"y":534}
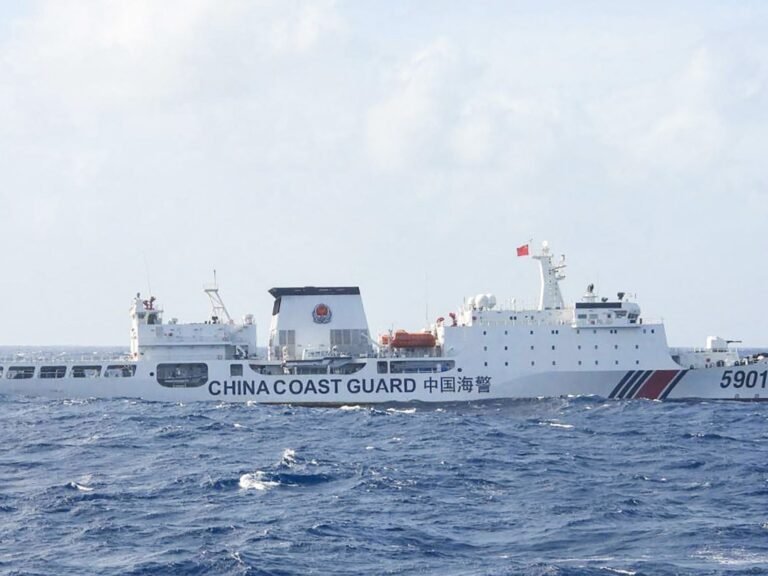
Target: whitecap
{"x":289,"y":456}
{"x":403,"y":411}
{"x":237,"y":425}
{"x":355,"y":407}
{"x":619,"y":571}
{"x":554,"y":424}
{"x":80,"y":487}
{"x":255,"y":481}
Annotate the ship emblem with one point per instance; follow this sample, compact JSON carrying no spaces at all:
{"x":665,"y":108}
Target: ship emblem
{"x":321,"y":314}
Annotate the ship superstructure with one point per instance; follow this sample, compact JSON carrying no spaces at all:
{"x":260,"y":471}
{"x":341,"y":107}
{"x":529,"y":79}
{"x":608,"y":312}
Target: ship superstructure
{"x":320,"y":351}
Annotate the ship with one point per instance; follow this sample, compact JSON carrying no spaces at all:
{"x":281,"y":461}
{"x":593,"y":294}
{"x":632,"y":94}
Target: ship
{"x":320,"y":352}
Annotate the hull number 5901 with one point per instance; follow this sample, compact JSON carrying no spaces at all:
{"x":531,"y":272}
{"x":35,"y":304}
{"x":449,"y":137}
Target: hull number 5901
{"x":744,"y":378}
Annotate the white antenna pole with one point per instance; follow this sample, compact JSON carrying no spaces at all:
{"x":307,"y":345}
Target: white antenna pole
{"x":426,"y":298}
{"x":146,"y":271}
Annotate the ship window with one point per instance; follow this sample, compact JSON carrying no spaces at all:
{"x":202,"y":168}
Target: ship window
{"x":596,"y":362}
{"x":532,"y":346}
{"x":637,"y":361}
{"x":595,"y":346}
{"x":506,"y":347}
{"x":636,"y":347}
{"x":267,"y":368}
{"x":235,"y":369}
{"x":579,"y":362}
{"x":617,"y":362}
{"x":484,"y":332}
{"x":533,"y":363}
{"x":86,"y":371}
{"x":120,"y":371}
{"x":1,"y":371}
{"x":553,"y":346}
{"x":653,"y":331}
{"x":347,"y":368}
{"x":616,"y":346}
{"x":276,"y":306}
{"x":531,"y":332}
{"x":410,"y":366}
{"x":485,"y":348}
{"x":305,"y":369}
{"x":579,"y":346}
{"x":381,"y":367}
{"x":20,"y":372}
{"x":485,"y":363}
{"x":553,"y":362}
{"x":53,"y":371}
{"x":189,"y":375}
{"x":581,"y":316}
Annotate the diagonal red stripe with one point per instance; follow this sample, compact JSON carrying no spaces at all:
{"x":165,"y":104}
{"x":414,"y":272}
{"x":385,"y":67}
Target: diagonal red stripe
{"x":655,"y":384}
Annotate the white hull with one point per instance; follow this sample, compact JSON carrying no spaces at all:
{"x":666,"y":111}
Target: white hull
{"x":367,"y":387}
{"x":320,"y":352}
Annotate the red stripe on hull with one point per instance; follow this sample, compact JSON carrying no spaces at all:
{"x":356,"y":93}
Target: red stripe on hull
{"x":656,"y":384}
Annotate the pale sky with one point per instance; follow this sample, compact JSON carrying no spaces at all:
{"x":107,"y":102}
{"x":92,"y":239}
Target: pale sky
{"x":405,"y":147}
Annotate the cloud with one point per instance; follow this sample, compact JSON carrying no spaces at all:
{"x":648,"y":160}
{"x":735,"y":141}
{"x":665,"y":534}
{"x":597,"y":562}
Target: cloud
{"x":402,"y":126}
{"x":298,"y":26}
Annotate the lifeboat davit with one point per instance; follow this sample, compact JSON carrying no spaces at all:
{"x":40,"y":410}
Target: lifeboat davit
{"x":403,"y":339}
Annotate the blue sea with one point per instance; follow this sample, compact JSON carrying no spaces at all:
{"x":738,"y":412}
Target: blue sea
{"x":544,"y":487}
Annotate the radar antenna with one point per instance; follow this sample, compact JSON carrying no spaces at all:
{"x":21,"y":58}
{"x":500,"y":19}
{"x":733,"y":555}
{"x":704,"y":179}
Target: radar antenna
{"x":219,"y":311}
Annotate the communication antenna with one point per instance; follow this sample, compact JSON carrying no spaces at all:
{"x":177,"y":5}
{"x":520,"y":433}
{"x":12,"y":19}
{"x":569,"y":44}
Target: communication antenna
{"x":219,"y":311}
{"x":146,"y":271}
{"x":426,"y":299}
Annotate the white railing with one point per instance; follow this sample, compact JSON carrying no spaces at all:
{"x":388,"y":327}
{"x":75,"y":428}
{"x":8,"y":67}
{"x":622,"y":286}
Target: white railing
{"x":63,"y":358}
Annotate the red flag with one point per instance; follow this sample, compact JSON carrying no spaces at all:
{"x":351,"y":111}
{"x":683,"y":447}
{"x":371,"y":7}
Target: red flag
{"x":522,"y":250}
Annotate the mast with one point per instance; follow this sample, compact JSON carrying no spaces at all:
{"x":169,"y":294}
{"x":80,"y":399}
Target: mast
{"x":219,"y":311}
{"x":550,"y":297}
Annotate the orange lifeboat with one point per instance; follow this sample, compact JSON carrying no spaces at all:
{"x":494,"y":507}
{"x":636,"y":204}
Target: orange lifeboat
{"x":403,"y":339}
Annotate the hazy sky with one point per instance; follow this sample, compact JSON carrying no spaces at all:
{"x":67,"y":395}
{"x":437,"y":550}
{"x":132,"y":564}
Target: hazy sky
{"x":405,"y":147}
